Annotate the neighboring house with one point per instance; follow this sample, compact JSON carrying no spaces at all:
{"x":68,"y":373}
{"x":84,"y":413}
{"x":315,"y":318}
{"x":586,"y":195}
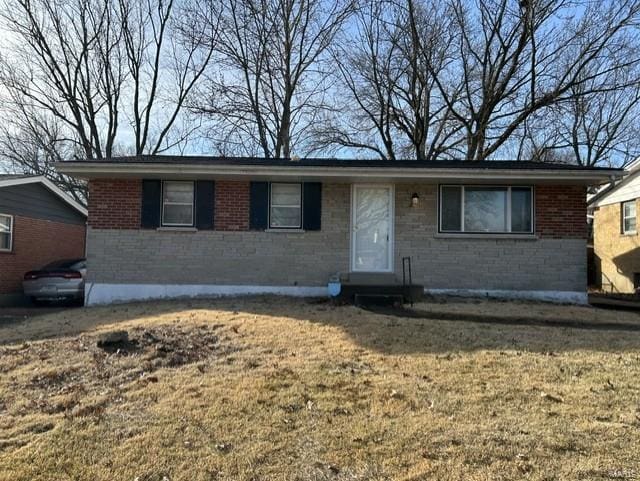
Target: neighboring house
{"x":616,"y":244}
{"x":183,"y":226}
{"x":38,"y":224}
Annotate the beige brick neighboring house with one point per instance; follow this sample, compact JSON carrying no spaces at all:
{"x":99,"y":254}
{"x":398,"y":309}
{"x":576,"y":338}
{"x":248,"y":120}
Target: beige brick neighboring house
{"x":616,"y":243}
{"x":187,"y":226}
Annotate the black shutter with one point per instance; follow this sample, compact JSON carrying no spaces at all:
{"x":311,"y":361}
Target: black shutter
{"x":312,"y":205}
{"x":204,"y":204}
{"x":259,"y":206}
{"x":151,"y":203}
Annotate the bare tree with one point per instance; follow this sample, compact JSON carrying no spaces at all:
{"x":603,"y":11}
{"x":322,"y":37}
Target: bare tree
{"x":477,"y":79}
{"x":162,"y":48}
{"x":32,"y":143}
{"x":383,"y":72}
{"x":104,"y":70}
{"x":273,"y":73}
{"x":421,"y":35}
{"x":364,"y":59}
{"x":519,"y":57}
{"x":599,"y":127}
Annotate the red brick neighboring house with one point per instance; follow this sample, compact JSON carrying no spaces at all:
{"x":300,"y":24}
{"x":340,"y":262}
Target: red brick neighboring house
{"x":169,"y":226}
{"x":38,"y":224}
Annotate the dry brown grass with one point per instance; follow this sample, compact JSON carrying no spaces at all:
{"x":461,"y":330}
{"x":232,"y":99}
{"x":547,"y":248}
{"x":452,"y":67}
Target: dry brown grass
{"x":280,"y":389}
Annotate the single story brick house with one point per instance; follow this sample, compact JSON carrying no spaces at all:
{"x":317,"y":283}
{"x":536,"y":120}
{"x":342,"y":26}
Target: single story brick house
{"x":39,"y":224}
{"x":167,"y":226}
{"x":616,"y":243}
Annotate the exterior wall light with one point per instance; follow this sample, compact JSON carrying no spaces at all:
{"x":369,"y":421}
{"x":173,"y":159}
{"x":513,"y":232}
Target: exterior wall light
{"x":414,"y":200}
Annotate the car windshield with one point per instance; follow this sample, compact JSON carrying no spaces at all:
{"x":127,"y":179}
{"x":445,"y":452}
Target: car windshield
{"x":64,"y":264}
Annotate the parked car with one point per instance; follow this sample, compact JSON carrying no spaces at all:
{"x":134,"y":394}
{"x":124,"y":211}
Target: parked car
{"x":59,"y":280}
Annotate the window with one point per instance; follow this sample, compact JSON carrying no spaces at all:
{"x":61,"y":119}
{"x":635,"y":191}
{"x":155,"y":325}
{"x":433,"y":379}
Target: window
{"x":177,"y":203}
{"x":486,"y":209}
{"x":285,"y":211}
{"x":6,"y":232}
{"x":629,"y":217}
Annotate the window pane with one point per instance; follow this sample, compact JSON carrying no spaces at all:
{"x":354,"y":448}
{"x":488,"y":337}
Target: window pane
{"x":285,"y":194}
{"x":630,"y":224}
{"x":178,"y":192}
{"x":451,"y":209}
{"x":5,"y":223}
{"x":285,"y":217}
{"x":629,"y":216}
{"x":485,"y":209}
{"x":630,"y":209}
{"x":520,"y":209}
{"x":5,"y":241}
{"x":178,"y":214}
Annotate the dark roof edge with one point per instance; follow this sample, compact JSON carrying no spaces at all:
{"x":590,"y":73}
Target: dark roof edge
{"x":338,"y":163}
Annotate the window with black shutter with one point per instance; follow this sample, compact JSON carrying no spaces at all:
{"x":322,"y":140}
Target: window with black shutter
{"x":181,"y":203}
{"x":285,"y":205}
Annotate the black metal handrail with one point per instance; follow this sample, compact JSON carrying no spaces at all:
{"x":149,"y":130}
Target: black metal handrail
{"x":406,"y":268}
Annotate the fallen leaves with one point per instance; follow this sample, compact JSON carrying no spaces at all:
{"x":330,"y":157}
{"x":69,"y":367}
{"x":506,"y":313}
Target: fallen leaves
{"x":552,"y":397}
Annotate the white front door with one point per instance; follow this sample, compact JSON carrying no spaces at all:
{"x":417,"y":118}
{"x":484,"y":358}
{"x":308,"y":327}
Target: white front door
{"x":372,"y":228}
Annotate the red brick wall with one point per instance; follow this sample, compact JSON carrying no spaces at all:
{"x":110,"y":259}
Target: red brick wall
{"x":115,"y":203}
{"x":37,"y":242}
{"x":231,"y":205}
{"x":561,"y":211}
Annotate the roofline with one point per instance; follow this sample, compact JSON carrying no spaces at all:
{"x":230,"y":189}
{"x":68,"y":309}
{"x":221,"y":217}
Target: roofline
{"x":93,"y":169}
{"x":41,"y":179}
{"x":632,"y":165}
{"x":598,"y":199}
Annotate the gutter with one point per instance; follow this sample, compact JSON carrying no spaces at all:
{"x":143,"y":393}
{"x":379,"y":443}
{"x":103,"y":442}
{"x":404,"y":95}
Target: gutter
{"x":88,"y":170}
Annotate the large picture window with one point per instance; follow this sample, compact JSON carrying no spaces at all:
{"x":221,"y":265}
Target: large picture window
{"x":6,"y":232}
{"x":177,"y":204}
{"x":285,"y":209}
{"x":486,"y":209}
{"x":629,"y":217}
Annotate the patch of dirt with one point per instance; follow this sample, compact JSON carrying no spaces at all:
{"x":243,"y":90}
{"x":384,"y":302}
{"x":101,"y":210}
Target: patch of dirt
{"x":95,"y":375}
{"x":167,"y":346}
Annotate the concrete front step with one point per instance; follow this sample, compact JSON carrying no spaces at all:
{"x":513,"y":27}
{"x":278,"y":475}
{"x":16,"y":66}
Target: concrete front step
{"x":413,"y":293}
{"x":371,"y":278}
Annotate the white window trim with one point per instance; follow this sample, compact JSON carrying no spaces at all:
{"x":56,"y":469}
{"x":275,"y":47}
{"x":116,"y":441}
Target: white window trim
{"x":10,"y":217}
{"x":271,"y":205}
{"x":507,"y":232}
{"x":625,"y":217}
{"x":192,"y":204}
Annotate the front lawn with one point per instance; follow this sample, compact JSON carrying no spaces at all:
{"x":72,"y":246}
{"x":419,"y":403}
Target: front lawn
{"x":271,"y":388}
